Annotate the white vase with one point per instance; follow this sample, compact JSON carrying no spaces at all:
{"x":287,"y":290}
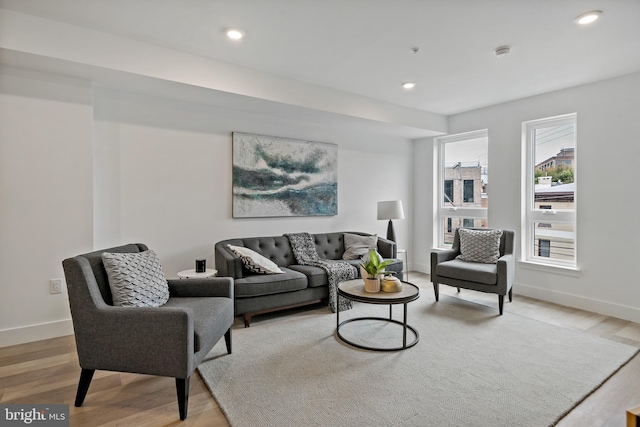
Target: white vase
{"x":371,"y":285}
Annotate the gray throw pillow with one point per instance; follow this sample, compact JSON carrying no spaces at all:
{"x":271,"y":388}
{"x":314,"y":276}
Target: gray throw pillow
{"x":357,"y":246}
{"x":136,"y":279}
{"x":479,"y":245}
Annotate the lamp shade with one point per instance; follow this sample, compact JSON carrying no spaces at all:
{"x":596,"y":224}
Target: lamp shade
{"x":390,"y":210}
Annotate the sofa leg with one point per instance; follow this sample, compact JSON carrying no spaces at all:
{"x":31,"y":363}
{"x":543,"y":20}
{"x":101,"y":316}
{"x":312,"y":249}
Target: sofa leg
{"x":436,"y":291}
{"x":511,"y":295}
{"x":83,"y":386}
{"x":182,"y":388}
{"x":227,"y":339}
{"x":458,"y":289}
{"x":500,"y":303}
{"x":247,"y":320}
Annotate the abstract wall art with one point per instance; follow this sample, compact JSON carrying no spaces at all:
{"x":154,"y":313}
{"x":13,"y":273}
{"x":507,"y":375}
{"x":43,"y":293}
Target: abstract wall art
{"x":277,"y":177}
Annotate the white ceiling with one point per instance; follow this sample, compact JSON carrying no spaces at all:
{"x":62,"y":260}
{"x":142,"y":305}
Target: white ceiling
{"x":364,"y":46}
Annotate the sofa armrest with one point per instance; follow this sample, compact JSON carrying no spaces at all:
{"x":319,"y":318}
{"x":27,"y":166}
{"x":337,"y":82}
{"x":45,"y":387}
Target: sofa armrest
{"x":506,"y":271}
{"x":439,"y":256}
{"x":443,"y":255}
{"x":210,"y":287}
{"x":146,"y":340}
{"x":387,"y":248}
{"x":227,"y":263}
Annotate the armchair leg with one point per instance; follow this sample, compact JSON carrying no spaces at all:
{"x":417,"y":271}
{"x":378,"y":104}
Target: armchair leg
{"x":436,"y":290}
{"x":511,"y":295}
{"x":227,"y":339}
{"x":83,"y":385}
{"x":458,"y":289}
{"x":182,"y":387}
{"x":500,"y":303}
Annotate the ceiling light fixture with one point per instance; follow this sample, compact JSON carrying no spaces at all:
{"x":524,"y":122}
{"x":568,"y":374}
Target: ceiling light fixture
{"x":589,"y":17}
{"x":408,"y":85}
{"x":234,"y":33}
{"x":502,"y":51}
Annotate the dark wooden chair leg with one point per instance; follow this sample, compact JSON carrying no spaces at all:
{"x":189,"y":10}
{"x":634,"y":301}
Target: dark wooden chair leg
{"x":83,"y":385}
{"x":500,"y":303}
{"x":182,"y":387}
{"x":436,"y":291}
{"x":511,"y":295}
{"x":458,"y":289}
{"x":227,"y":339}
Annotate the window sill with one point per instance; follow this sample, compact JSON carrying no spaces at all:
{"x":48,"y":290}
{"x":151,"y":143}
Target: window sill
{"x":549,"y":268}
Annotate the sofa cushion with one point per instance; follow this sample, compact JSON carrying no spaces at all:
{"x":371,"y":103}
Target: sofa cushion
{"x":357,"y":246}
{"x":316,"y":276}
{"x":469,"y":271}
{"x":136,"y":279}
{"x":255,"y":262}
{"x":256,"y":285}
{"x":329,"y":245}
{"x":481,"y":246}
{"x":209,"y":317}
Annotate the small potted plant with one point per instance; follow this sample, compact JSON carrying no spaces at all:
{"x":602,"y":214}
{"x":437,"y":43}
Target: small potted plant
{"x":373,"y":268}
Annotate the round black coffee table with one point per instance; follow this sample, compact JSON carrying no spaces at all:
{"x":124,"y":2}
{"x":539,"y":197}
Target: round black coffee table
{"x":354,"y":291}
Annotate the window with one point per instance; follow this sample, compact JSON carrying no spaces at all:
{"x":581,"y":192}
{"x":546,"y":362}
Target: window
{"x":448,"y":191}
{"x":549,"y":191}
{"x":544,"y":247}
{"x":468,"y":191}
{"x":463,"y":179}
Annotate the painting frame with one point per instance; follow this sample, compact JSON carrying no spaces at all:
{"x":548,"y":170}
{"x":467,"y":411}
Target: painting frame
{"x":283,"y":177}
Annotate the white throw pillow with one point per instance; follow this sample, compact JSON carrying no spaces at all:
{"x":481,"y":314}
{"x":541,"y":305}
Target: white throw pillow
{"x":136,"y":279}
{"x":357,"y":246}
{"x":255,"y":262}
{"x":479,"y":245}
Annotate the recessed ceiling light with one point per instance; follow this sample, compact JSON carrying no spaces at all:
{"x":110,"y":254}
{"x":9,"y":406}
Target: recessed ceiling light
{"x":502,"y":51}
{"x":234,"y":33}
{"x":408,"y":85}
{"x":589,"y":17}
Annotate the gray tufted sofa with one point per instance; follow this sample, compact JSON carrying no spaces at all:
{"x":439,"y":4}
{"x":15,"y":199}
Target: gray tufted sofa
{"x":298,"y":285}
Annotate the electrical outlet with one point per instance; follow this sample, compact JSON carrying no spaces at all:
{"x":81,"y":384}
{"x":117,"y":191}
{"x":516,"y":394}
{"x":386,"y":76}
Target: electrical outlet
{"x":55,"y":286}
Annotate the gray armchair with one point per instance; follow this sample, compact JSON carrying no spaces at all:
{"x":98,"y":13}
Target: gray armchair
{"x":492,"y":278}
{"x":170,"y":340}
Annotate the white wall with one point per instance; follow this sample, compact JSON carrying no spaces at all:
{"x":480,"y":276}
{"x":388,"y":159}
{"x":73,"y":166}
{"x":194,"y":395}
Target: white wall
{"x":608,"y":198}
{"x":87,"y":168}
{"x":45,"y":197}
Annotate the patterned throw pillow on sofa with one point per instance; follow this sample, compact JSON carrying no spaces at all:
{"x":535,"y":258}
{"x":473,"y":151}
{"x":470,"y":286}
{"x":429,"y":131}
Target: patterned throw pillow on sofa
{"x":479,"y":245}
{"x":255,"y":262}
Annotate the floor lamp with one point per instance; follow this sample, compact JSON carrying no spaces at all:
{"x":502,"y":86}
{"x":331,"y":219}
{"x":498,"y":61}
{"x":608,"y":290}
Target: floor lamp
{"x":390,"y":210}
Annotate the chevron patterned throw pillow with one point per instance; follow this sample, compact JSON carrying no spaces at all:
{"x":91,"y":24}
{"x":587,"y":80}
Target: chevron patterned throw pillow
{"x":479,"y":245}
{"x":136,"y":279}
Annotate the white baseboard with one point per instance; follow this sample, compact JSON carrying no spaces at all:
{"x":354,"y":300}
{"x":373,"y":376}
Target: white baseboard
{"x":32,"y":333}
{"x":589,"y":304}
{"x":576,"y":301}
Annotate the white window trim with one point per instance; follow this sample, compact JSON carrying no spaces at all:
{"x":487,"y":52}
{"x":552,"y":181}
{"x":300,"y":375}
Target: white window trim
{"x":531,"y":215}
{"x":440,"y":213}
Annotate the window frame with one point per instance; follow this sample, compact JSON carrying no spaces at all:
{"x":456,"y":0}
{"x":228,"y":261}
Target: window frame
{"x":441,"y":211}
{"x":532,"y":215}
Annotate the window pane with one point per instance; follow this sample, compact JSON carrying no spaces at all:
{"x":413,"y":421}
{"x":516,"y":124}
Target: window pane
{"x":465,"y":174}
{"x":554,"y":166}
{"x":554,"y":240}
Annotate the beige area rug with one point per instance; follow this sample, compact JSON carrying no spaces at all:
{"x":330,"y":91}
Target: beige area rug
{"x":471,"y":367}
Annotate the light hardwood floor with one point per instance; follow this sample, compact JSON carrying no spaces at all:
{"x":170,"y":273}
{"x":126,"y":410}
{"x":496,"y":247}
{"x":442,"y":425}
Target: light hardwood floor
{"x":47,"y":372}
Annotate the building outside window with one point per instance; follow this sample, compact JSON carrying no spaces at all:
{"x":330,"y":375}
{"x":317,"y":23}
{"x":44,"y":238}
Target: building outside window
{"x":549,"y":223}
{"x":463,"y":183}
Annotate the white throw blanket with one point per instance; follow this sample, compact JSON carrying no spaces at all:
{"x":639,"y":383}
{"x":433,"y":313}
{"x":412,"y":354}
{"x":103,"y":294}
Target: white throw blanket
{"x":304,"y":249}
